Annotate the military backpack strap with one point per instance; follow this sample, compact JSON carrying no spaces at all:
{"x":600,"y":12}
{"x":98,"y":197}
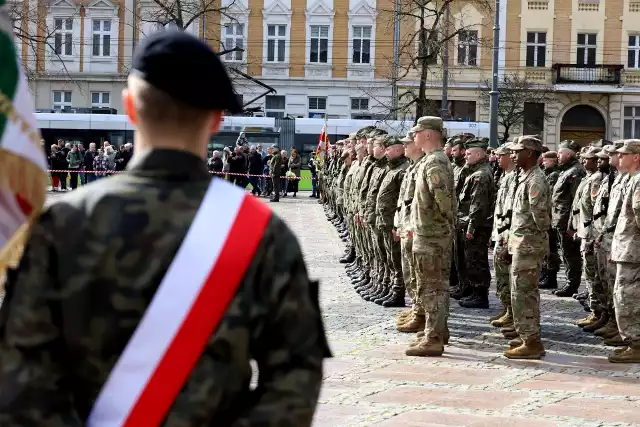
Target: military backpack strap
{"x":185,"y":310}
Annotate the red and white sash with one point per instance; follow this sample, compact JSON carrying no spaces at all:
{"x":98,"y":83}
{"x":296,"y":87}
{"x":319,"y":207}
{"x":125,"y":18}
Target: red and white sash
{"x":185,"y":310}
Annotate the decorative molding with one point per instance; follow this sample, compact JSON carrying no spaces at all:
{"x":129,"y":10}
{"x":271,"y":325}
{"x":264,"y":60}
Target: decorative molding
{"x":277,"y":8}
{"x":362,"y":9}
{"x":319,"y":8}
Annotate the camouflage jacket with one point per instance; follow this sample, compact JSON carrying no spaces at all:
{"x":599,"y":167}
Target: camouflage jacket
{"x":460,"y":172}
{"x":563,"y":192}
{"x":356,"y":183}
{"x":615,"y":202}
{"x":601,"y":203}
{"x":361,"y":199}
{"x":433,"y":211}
{"x":552,"y":175}
{"x":377,"y":175}
{"x":348,"y":183}
{"x":91,"y":267}
{"x":389,"y":192}
{"x":402,"y":220}
{"x":626,"y":238}
{"x":531,"y":218}
{"x":504,"y":200}
{"x":582,"y":208}
{"x":477,"y":198}
{"x":340,"y":180}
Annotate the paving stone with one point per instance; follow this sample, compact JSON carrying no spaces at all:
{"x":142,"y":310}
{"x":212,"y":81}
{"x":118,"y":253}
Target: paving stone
{"x":437,"y":419}
{"x":596,"y":409}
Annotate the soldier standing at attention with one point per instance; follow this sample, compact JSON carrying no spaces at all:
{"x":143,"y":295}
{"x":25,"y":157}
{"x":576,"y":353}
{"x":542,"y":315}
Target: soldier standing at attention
{"x":501,"y":225}
{"x":625,"y":252}
{"x":385,"y":210}
{"x":475,"y":217}
{"x":433,"y":216}
{"x":111,"y":320}
{"x":561,"y":200}
{"x":411,"y":320}
{"x":551,"y":261}
{"x":527,"y":246}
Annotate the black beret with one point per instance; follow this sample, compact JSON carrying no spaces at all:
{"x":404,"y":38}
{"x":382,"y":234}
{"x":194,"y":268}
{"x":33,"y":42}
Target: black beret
{"x":187,"y":69}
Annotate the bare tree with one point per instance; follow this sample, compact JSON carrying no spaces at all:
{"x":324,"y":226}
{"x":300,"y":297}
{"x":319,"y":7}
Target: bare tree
{"x":425,"y":32}
{"x":515,"y":93}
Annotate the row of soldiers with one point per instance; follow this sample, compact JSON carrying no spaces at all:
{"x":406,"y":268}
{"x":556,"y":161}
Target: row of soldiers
{"x":420,"y":213}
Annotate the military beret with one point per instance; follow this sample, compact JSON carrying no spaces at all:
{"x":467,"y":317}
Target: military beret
{"x":461,"y":138}
{"x":477,"y":143}
{"x":544,"y":149}
{"x":503,"y":149}
{"x":571,"y":145}
{"x":428,"y":123}
{"x":529,"y":142}
{"x":550,"y":155}
{"x":187,"y":69}
{"x":631,"y":146}
{"x":590,"y":153}
{"x":409,"y":137}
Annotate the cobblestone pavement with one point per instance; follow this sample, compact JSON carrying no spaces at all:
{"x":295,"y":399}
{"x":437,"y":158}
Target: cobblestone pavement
{"x":371,"y":382}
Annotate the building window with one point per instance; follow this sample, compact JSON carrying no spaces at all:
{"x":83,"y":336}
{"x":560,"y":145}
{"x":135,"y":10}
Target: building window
{"x":462,"y":110}
{"x":275,"y":106}
{"x":586,"y":52}
{"x":361,"y":45}
{"x":359,"y":104}
{"x":533,"y":123}
{"x":63,"y":37}
{"x":631,"y":122}
{"x":101,"y":37}
{"x":536,"y":49}
{"x":468,"y":48}
{"x":317,"y":107}
{"x":100,"y":99}
{"x":319,"y":44}
{"x":276,"y":38}
{"x":633,"y":52}
{"x":61,"y":99}
{"x":234,"y":37}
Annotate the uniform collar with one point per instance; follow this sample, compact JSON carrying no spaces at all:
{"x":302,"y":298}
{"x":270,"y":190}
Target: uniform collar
{"x":169,"y":163}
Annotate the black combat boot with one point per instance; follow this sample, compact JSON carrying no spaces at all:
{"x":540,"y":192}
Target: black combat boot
{"x":550,"y":281}
{"x":348,"y":258}
{"x":567,"y":290}
{"x":393,"y":299}
{"x":461,"y":291}
{"x":480,"y":299}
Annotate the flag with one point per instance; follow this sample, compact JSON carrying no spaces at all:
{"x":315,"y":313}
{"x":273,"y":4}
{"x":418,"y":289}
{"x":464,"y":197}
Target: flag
{"x":323,"y":142}
{"x":23,"y":166}
{"x":242,"y":139}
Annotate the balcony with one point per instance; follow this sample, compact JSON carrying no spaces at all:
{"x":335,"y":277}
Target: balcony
{"x":587,"y":74}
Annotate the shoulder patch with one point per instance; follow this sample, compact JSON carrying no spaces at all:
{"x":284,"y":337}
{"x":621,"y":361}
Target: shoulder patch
{"x":435,"y":179}
{"x":636,"y":196}
{"x":535,"y":190}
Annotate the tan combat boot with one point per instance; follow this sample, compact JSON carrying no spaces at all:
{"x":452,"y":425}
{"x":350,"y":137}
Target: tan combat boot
{"x":611,"y":334}
{"x":616,"y":341}
{"x":603,"y":319}
{"x":630,"y":355}
{"x":611,"y":326}
{"x":420,"y":335}
{"x":505,"y":320}
{"x":416,"y":324}
{"x":532,"y":348}
{"x":403,"y":316}
{"x":587,"y":320}
{"x":517,"y":342}
{"x":427,"y":347}
{"x":502,"y":313}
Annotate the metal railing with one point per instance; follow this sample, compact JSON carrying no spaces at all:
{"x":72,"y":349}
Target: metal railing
{"x":588,"y":74}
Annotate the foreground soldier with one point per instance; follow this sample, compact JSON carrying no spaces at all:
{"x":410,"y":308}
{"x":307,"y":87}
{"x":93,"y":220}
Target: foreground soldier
{"x":99,"y":261}
{"x":432,"y":222}
{"x":528,"y":246}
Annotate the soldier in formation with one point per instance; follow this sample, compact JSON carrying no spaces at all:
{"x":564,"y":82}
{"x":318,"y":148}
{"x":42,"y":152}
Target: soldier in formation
{"x":420,"y":223}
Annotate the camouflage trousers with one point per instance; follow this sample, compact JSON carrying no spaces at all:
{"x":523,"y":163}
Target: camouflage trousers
{"x":431,"y":259}
{"x":503,"y":288}
{"x":394,"y":261}
{"x":571,"y":257}
{"x":525,"y":295}
{"x":606,"y":271}
{"x":408,"y":272}
{"x":476,"y":258}
{"x":626,"y":298}
{"x":379,"y":271}
{"x":595,"y":287}
{"x":362,"y":232}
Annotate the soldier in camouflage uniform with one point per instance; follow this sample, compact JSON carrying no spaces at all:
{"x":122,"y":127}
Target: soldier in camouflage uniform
{"x":551,"y":261}
{"x":581,"y":226}
{"x":475,"y":217}
{"x":433,"y":216}
{"x":385,"y":210}
{"x":357,"y":154}
{"x":605,"y":213}
{"x":562,"y":198}
{"x":96,"y":257}
{"x":501,"y":225}
{"x":528,"y":244}
{"x":339,"y":191}
{"x":380,"y":264}
{"x":625,"y":252}
{"x":402,"y":229}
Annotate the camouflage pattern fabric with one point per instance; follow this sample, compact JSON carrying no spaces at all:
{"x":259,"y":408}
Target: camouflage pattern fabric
{"x":626,"y":296}
{"x":501,"y":223}
{"x":91,"y":268}
{"x":409,"y":273}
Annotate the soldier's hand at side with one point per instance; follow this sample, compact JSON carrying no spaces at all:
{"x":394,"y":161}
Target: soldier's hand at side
{"x":469,"y":236}
{"x":396,"y":238}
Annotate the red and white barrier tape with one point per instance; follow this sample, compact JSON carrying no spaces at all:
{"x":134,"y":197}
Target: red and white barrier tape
{"x":213,"y":173}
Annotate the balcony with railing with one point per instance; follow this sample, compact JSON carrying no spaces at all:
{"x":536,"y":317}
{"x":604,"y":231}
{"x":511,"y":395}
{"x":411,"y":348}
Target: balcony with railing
{"x":603,"y":74}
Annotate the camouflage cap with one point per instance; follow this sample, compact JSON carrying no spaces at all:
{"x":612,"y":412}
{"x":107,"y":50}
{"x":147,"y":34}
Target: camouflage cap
{"x":544,"y":149}
{"x":408,"y":137}
{"x":390,"y":140}
{"x":600,"y":143}
{"x":354,"y":136}
{"x":504,"y":149}
{"x":375,"y":132}
{"x":570,"y":144}
{"x":590,"y":152}
{"x":607,"y":151}
{"x":631,"y":146}
{"x":618,"y":143}
{"x":550,"y":155}
{"x":340,"y":142}
{"x":363,"y":132}
{"x":477,"y":143}
{"x":528,"y":142}
{"x":461,"y":138}
{"x":428,"y":123}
